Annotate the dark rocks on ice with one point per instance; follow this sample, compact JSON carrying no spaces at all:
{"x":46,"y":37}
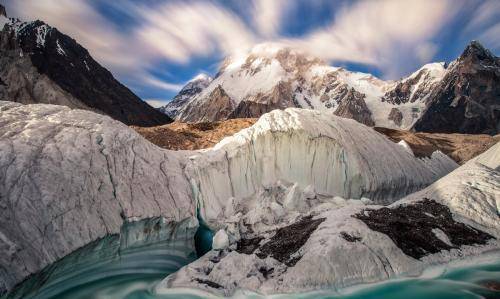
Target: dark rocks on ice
{"x":282,"y":246}
{"x":413,"y":228}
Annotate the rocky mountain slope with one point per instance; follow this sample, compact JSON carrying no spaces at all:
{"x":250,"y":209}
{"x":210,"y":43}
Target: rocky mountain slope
{"x":192,"y":88}
{"x":460,"y":147}
{"x":39,"y":64}
{"x":193,"y":136}
{"x":467,"y":100}
{"x":273,"y":76}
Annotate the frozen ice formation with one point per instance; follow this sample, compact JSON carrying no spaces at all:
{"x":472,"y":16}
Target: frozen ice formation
{"x":292,"y":198}
{"x":220,"y":241}
{"x":336,"y":156}
{"x":354,"y":243}
{"x":71,"y":177}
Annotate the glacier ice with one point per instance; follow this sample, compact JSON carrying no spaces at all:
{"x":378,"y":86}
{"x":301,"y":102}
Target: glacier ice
{"x":73,"y":177}
{"x":333,"y":155}
{"x":343,"y":250}
{"x":221,"y":240}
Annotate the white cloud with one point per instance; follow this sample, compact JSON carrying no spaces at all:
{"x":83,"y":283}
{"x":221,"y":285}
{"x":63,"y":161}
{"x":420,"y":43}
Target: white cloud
{"x":425,"y":52}
{"x":377,"y":32}
{"x":156,"y":103}
{"x":267,"y":16}
{"x":150,"y":80}
{"x":178,"y":31}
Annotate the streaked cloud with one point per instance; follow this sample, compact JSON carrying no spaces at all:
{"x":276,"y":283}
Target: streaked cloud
{"x":179,"y":30}
{"x":151,"y":80}
{"x":157,"y":103}
{"x":267,"y":16}
{"x":486,"y":21}
{"x":492,"y":36}
{"x":395,"y":36}
{"x":378,"y":32}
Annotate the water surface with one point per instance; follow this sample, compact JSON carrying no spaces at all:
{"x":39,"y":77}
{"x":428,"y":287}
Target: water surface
{"x":451,"y":282}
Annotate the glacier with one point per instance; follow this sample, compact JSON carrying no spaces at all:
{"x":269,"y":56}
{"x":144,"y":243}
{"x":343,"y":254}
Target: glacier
{"x":344,"y":250}
{"x":80,"y":187}
{"x":72,"y":177}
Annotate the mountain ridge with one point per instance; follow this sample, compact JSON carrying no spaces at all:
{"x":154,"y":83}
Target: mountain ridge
{"x":42,"y":65}
{"x":273,"y":76}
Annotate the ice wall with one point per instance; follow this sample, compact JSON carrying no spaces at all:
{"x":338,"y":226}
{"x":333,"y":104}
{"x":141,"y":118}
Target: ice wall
{"x":71,"y":177}
{"x":336,"y":156}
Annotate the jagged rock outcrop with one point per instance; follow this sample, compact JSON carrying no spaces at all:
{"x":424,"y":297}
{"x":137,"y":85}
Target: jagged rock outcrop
{"x":218,"y":106}
{"x":3,"y":12}
{"x":396,"y":116}
{"x":280,"y":97}
{"x":71,"y":177}
{"x":467,"y":100}
{"x":39,"y":64}
{"x":417,"y":86}
{"x":192,"y":88}
{"x":354,"y":107}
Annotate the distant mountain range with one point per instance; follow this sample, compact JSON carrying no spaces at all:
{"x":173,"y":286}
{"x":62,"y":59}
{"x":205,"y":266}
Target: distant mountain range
{"x":462,"y":97}
{"x":39,"y":64}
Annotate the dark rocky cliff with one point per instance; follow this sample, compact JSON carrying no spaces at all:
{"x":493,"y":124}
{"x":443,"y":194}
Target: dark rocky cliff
{"x":467,"y":100}
{"x":58,"y":58}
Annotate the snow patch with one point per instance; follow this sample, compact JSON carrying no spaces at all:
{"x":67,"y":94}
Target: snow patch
{"x":86,"y":65}
{"x":3,"y":21}
{"x":59,"y":49}
{"x":442,"y":236}
{"x":405,"y":146}
{"x":41,"y":34}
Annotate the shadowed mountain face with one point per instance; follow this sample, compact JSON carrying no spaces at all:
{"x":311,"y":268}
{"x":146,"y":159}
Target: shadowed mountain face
{"x":467,"y":100}
{"x":39,"y":64}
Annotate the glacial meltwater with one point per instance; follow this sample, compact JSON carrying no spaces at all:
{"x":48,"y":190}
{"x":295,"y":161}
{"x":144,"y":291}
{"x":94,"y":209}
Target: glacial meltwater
{"x":475,"y":279}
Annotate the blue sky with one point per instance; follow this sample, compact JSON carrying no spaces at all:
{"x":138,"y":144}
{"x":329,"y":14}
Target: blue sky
{"x":156,"y":46}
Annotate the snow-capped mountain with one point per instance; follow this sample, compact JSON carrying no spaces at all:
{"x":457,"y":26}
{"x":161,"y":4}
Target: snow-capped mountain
{"x":272,"y":76}
{"x":39,"y":64}
{"x":190,"y":90}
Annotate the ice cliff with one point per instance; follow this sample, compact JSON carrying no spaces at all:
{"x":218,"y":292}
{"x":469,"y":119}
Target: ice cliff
{"x":333,"y":155}
{"x":71,"y":177}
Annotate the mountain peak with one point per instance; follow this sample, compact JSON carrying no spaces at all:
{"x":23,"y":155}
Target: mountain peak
{"x":476,"y":49}
{"x":201,"y":77}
